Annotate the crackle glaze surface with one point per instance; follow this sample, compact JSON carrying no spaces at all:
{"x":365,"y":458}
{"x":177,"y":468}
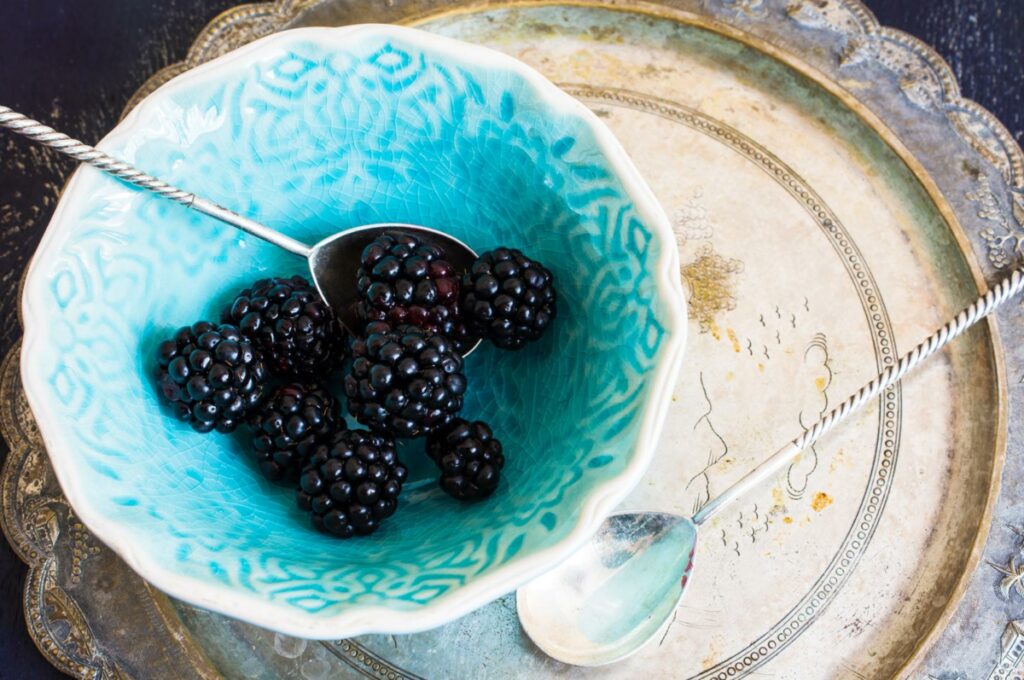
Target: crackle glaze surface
{"x":310,"y":133}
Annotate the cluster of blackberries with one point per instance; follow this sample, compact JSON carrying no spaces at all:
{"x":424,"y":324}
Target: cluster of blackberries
{"x":265,"y":366}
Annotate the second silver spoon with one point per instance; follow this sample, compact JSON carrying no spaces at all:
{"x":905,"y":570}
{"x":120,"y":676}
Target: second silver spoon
{"x":619,"y":591}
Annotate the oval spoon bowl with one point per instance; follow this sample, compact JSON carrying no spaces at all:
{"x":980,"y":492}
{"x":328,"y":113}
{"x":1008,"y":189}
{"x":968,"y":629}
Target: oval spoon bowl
{"x":607,"y":592}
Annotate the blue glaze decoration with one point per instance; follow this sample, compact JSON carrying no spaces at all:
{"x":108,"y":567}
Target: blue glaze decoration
{"x":311,"y":137}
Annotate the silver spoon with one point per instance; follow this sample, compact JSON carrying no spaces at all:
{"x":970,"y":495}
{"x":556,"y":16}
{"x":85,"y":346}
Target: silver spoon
{"x":332,"y":261}
{"x":618,"y":592}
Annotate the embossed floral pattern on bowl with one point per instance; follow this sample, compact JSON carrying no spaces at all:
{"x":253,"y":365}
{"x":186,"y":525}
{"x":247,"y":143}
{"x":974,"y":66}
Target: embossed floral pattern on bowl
{"x":311,"y":131}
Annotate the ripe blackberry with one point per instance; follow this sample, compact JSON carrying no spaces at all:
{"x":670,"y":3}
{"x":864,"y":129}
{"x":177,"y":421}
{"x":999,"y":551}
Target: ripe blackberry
{"x":288,"y":425}
{"x":402,"y":280}
{"x":290,"y":324}
{"x":211,"y":376}
{"x":470,"y":459}
{"x":508,"y":298}
{"x":351,"y":483}
{"x":406,"y":382}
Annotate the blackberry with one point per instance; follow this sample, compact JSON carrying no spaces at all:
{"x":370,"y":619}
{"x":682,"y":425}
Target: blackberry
{"x":402,"y":280}
{"x":288,"y":425}
{"x":405,"y":382}
{"x":211,"y":376}
{"x":470,"y":459}
{"x":508,"y":298}
{"x":291,"y":326}
{"x":351,"y":483}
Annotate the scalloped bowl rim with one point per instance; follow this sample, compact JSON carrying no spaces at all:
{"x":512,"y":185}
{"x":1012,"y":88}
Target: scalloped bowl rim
{"x":358,"y":619}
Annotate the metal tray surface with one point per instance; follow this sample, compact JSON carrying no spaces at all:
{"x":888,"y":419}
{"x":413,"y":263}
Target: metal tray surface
{"x":834,"y":201}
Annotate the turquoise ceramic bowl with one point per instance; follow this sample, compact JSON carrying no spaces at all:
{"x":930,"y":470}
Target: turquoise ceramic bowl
{"x":312,"y":131}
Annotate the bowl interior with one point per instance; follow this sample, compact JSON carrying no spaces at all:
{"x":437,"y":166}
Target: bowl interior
{"x":311,"y":134}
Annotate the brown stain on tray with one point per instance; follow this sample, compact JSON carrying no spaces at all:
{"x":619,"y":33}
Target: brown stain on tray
{"x":710,"y":280}
{"x":821,"y":501}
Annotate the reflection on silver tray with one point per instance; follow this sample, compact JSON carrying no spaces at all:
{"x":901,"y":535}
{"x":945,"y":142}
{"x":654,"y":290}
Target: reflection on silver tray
{"x":860,"y":251}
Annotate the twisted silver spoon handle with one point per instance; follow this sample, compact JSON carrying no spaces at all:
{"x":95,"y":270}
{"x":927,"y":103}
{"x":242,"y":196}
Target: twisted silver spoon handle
{"x":47,"y":136}
{"x":42,"y":134}
{"x":971,"y":315}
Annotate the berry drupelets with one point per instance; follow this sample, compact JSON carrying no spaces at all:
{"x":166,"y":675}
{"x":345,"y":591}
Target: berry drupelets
{"x":405,"y":379}
{"x":288,"y":425}
{"x":508,"y":298}
{"x":351,"y":483}
{"x":404,"y":281}
{"x":405,"y":382}
{"x":211,"y":376}
{"x":470,"y":459}
{"x":291,"y":326}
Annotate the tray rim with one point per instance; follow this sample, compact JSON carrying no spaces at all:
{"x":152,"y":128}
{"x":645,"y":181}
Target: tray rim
{"x":285,"y":10}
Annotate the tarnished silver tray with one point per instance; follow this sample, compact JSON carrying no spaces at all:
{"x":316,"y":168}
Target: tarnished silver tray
{"x":834,"y":199}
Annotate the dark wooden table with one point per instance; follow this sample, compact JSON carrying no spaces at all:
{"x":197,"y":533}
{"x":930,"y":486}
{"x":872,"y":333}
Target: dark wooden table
{"x":76,"y":64}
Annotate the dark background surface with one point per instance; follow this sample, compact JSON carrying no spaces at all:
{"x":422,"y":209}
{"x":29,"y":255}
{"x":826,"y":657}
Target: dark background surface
{"x":76,"y":63}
